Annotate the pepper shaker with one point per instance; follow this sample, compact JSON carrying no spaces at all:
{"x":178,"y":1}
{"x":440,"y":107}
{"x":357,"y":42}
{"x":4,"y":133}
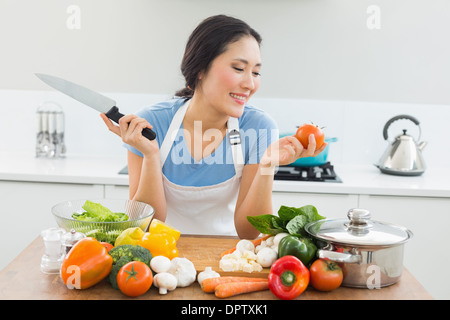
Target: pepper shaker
{"x":69,"y":239}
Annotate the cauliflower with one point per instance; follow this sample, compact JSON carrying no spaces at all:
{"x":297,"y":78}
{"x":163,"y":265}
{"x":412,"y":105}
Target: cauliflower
{"x":244,"y":258}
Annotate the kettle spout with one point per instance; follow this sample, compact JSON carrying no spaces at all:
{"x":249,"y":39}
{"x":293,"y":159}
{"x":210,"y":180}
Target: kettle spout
{"x":422,"y":145}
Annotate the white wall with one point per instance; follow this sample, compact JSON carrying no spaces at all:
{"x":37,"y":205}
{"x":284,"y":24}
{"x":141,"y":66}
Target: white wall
{"x":312,"y":49}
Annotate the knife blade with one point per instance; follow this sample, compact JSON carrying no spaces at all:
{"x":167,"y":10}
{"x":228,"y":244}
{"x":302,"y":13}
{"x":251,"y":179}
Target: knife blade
{"x":90,"y":98}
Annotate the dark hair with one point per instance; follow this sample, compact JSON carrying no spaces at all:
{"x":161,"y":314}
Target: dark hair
{"x":206,"y":42}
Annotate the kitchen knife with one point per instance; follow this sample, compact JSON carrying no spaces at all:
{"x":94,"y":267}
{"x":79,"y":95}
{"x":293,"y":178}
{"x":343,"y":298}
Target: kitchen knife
{"x":90,"y":98}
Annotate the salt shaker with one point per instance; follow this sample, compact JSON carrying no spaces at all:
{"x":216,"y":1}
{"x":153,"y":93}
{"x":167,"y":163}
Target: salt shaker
{"x":69,"y":239}
{"x":53,"y":256}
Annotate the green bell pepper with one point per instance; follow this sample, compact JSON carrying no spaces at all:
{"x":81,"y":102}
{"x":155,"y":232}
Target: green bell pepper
{"x":303,"y":248}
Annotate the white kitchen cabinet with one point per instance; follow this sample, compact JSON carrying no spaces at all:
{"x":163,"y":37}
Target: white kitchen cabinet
{"x":429,"y":220}
{"x":328,"y":205}
{"x":116,"y":192}
{"x":26,"y":210}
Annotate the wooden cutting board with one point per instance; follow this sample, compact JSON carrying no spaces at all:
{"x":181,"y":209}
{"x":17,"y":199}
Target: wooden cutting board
{"x":205,"y":251}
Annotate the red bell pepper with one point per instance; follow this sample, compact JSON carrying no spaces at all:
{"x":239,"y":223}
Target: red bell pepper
{"x":288,"y":277}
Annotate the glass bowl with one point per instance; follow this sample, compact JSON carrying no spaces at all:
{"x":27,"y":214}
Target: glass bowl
{"x":139,"y":215}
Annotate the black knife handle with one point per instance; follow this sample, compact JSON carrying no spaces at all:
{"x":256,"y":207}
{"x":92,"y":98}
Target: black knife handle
{"x":115,"y":115}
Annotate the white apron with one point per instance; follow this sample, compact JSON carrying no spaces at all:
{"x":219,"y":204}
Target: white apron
{"x":208,"y":209}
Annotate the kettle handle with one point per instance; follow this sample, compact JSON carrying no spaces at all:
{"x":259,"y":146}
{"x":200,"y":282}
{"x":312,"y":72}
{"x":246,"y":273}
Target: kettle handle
{"x":401,"y":116}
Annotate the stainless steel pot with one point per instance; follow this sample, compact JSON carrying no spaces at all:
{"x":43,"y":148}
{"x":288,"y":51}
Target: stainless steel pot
{"x":369,"y":252}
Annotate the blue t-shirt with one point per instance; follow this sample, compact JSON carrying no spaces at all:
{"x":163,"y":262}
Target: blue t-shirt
{"x":257,"y":129}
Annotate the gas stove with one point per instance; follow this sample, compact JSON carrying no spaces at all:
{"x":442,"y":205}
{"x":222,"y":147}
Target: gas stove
{"x":323,"y":173}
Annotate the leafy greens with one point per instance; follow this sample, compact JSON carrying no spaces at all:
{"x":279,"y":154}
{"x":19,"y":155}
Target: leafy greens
{"x":289,"y":220}
{"x":97,"y":213}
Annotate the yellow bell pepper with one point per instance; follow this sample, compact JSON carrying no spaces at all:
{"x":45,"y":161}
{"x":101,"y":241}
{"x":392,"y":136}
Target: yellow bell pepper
{"x":129,"y":236}
{"x":158,"y":226}
{"x":161,"y":240}
{"x":160,"y":244}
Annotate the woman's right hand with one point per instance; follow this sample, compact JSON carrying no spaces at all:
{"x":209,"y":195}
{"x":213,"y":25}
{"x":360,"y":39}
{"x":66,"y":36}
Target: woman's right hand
{"x":130,"y":130}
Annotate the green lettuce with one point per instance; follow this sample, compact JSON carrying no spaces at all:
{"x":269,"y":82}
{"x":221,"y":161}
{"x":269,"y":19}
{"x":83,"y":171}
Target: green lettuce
{"x":97,"y":213}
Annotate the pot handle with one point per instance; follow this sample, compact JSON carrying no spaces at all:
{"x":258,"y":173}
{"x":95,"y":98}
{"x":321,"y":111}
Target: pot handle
{"x":339,"y":256}
{"x":402,"y":116}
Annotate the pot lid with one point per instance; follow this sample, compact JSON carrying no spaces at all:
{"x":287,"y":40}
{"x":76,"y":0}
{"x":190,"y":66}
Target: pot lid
{"x":358,"y":230}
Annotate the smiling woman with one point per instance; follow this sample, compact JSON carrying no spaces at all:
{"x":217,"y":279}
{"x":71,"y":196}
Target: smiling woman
{"x":229,"y":77}
{"x":209,"y":40}
{"x":181,"y":173}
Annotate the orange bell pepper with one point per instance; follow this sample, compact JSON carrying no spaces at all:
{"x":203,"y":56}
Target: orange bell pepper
{"x":86,"y":264}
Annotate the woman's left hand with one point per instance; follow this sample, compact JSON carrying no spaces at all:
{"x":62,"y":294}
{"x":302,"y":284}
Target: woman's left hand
{"x":288,"y":149}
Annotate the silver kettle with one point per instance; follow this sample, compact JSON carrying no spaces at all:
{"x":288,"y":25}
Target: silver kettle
{"x":404,"y":155}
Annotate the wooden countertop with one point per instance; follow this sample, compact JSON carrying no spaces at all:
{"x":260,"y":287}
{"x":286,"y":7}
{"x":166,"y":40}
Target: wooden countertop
{"x":22,"y":279}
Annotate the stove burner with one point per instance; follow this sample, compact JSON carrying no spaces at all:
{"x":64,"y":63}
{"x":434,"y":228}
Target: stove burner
{"x":323,"y":173}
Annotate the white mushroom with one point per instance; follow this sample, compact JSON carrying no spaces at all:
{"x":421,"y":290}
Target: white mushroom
{"x":165,"y":282}
{"x":260,"y":246}
{"x":160,"y":264}
{"x":266,"y":256}
{"x":269,"y":241}
{"x":184,"y":270}
{"x":277,"y":239}
{"x":245,"y":245}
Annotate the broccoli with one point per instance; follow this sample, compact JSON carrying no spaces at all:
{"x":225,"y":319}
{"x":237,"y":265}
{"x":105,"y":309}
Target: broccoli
{"x":126,"y":253}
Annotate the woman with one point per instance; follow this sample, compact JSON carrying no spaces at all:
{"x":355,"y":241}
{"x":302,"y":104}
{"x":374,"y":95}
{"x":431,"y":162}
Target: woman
{"x":209,"y":167}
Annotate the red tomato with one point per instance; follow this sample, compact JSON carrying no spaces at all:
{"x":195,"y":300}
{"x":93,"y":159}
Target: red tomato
{"x":107,"y":245}
{"x":134,"y":279}
{"x":325,"y":275}
{"x":305,"y":130}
